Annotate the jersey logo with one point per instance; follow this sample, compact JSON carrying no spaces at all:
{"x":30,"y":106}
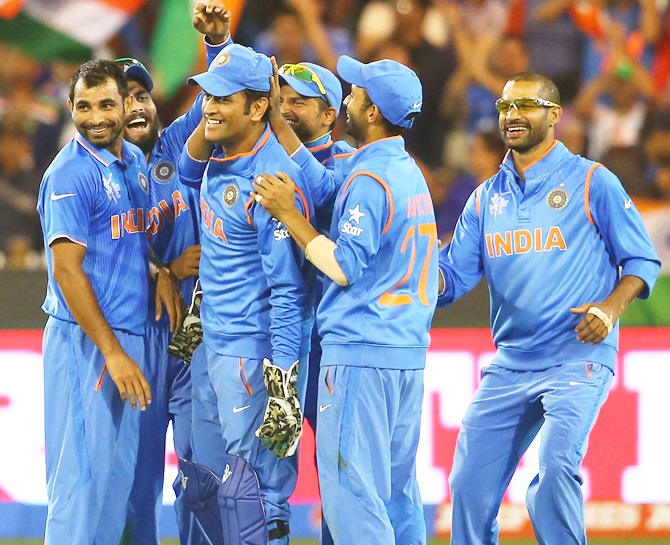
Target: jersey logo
{"x":557,"y":199}
{"x":144,"y":182}
{"x":163,"y":171}
{"x":112,"y":189}
{"x":55,"y":197}
{"x":230,"y":195}
{"x":498,"y":204}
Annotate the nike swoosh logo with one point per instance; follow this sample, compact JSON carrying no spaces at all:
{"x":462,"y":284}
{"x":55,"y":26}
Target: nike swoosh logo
{"x":240,"y":409}
{"x":55,"y":197}
{"x":575,"y":383}
{"x":324,"y":407}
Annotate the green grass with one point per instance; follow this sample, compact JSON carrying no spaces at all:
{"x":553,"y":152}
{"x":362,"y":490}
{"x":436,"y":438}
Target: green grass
{"x":592,"y":541}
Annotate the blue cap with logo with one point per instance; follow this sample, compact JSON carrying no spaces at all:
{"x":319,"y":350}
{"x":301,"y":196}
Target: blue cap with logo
{"x":235,"y":69}
{"x":314,"y":81}
{"x":135,"y":70}
{"x":393,"y":87}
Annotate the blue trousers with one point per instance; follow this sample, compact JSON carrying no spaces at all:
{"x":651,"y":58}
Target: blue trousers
{"x":229,"y":400}
{"x":91,"y":439}
{"x":506,"y":413}
{"x":170,"y":382}
{"x":366,"y":442}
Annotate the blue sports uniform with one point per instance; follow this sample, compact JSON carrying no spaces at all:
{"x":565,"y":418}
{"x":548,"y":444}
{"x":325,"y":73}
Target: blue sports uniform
{"x":546,"y":244}
{"x":256,"y":304}
{"x":90,"y":197}
{"x":174,"y":219}
{"x":324,"y":149}
{"x":375,"y":338}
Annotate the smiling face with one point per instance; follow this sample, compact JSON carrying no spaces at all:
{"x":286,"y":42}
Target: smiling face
{"x":526,"y":130}
{"x":98,"y":114}
{"x":141,"y":120}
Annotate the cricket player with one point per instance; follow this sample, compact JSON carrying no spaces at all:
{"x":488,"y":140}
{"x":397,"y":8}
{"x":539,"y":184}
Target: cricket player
{"x":249,"y":373}
{"x":174,"y":238}
{"x":374,"y":317}
{"x":93,"y":204}
{"x":564,"y":252}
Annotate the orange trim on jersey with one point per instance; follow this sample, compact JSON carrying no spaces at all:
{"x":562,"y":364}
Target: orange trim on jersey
{"x":587,"y":189}
{"x":542,"y":157}
{"x":260,"y":144}
{"x":247,"y":207}
{"x":383,"y":184}
{"x":304,"y":202}
{"x":478,"y":198}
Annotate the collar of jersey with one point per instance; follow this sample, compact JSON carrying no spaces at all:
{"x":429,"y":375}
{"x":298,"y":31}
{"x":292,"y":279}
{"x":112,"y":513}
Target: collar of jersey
{"x":554,"y":156}
{"x":265,"y":137}
{"x":104,"y":156}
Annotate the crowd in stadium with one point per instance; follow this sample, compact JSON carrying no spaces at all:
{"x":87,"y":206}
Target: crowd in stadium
{"x":610,"y":60}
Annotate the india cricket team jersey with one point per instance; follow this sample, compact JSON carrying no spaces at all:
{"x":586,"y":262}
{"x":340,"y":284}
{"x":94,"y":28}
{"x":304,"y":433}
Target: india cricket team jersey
{"x":548,"y":244}
{"x":384,"y":228}
{"x":174,"y":216}
{"x":92,"y":198}
{"x":256,"y":300}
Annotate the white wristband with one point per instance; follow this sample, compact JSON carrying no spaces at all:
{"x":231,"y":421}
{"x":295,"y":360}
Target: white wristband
{"x":604,"y":318}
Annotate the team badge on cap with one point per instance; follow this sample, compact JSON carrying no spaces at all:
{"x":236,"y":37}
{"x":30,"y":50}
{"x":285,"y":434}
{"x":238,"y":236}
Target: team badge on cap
{"x":164,"y":171}
{"x":557,"y":199}
{"x":230,"y":195}
{"x":222,"y":58}
{"x":144,"y":182}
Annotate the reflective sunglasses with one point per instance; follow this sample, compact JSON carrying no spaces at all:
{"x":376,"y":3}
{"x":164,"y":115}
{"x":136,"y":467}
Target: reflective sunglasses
{"x":523,"y":104}
{"x":303,"y":73}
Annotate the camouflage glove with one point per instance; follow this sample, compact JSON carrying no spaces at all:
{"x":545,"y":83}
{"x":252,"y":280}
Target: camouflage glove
{"x":282,"y":425}
{"x":189,"y":336}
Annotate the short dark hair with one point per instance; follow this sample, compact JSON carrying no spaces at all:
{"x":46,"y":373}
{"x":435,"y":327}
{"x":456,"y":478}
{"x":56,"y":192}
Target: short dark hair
{"x":548,"y":89}
{"x":97,"y":72}
{"x":252,"y":96}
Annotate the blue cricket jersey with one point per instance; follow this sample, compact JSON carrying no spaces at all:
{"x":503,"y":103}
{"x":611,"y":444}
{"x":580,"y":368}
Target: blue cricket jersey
{"x":90,"y":197}
{"x":384,"y":229}
{"x":556,"y":241}
{"x":256,"y":284}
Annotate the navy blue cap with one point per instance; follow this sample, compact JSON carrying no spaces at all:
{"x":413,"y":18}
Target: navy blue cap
{"x":393,"y":87}
{"x":331,"y":84}
{"x":235,"y":69}
{"x":134,"y":69}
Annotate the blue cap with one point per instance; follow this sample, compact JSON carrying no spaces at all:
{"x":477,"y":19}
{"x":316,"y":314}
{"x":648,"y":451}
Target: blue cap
{"x":393,"y":87}
{"x":134,"y":69}
{"x":235,"y":69}
{"x":331,"y":84}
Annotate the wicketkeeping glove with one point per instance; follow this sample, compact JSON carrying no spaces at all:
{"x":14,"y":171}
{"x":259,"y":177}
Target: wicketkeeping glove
{"x":189,"y":336}
{"x":282,"y":425}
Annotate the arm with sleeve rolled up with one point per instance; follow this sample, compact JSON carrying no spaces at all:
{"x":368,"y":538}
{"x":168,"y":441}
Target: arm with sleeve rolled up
{"x":276,"y":194}
{"x":68,"y":273}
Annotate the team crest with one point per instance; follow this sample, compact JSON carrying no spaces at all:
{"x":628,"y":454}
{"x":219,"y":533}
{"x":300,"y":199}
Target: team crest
{"x":557,"y":199}
{"x":498,"y":204}
{"x":222,"y":59}
{"x":164,"y":171}
{"x":143,"y":181}
{"x":230,"y":195}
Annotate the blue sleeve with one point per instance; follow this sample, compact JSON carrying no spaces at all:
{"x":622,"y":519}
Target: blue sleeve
{"x":319,"y":179}
{"x":622,"y":229}
{"x":461,"y":260}
{"x":363,"y":213}
{"x":190,"y":170}
{"x":68,"y":200}
{"x":280,"y":259}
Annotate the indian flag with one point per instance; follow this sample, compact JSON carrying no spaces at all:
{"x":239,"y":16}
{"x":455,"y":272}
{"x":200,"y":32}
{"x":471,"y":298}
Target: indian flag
{"x":63,"y":29}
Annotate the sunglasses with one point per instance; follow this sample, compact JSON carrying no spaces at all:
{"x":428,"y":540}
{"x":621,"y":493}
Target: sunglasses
{"x":523,"y":104}
{"x":303,"y":73}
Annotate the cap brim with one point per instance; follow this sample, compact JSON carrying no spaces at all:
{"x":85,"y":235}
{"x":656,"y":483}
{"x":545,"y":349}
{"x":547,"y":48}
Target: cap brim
{"x":214,"y":85}
{"x":351,"y":70}
{"x":301,"y":87}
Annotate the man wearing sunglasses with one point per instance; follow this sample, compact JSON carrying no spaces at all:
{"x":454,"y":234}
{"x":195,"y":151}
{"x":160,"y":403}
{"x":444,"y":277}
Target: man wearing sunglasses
{"x":551,"y":232}
{"x":173,"y":226}
{"x":380,"y":261}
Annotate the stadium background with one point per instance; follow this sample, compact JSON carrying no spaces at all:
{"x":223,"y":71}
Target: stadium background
{"x":41,"y":41}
